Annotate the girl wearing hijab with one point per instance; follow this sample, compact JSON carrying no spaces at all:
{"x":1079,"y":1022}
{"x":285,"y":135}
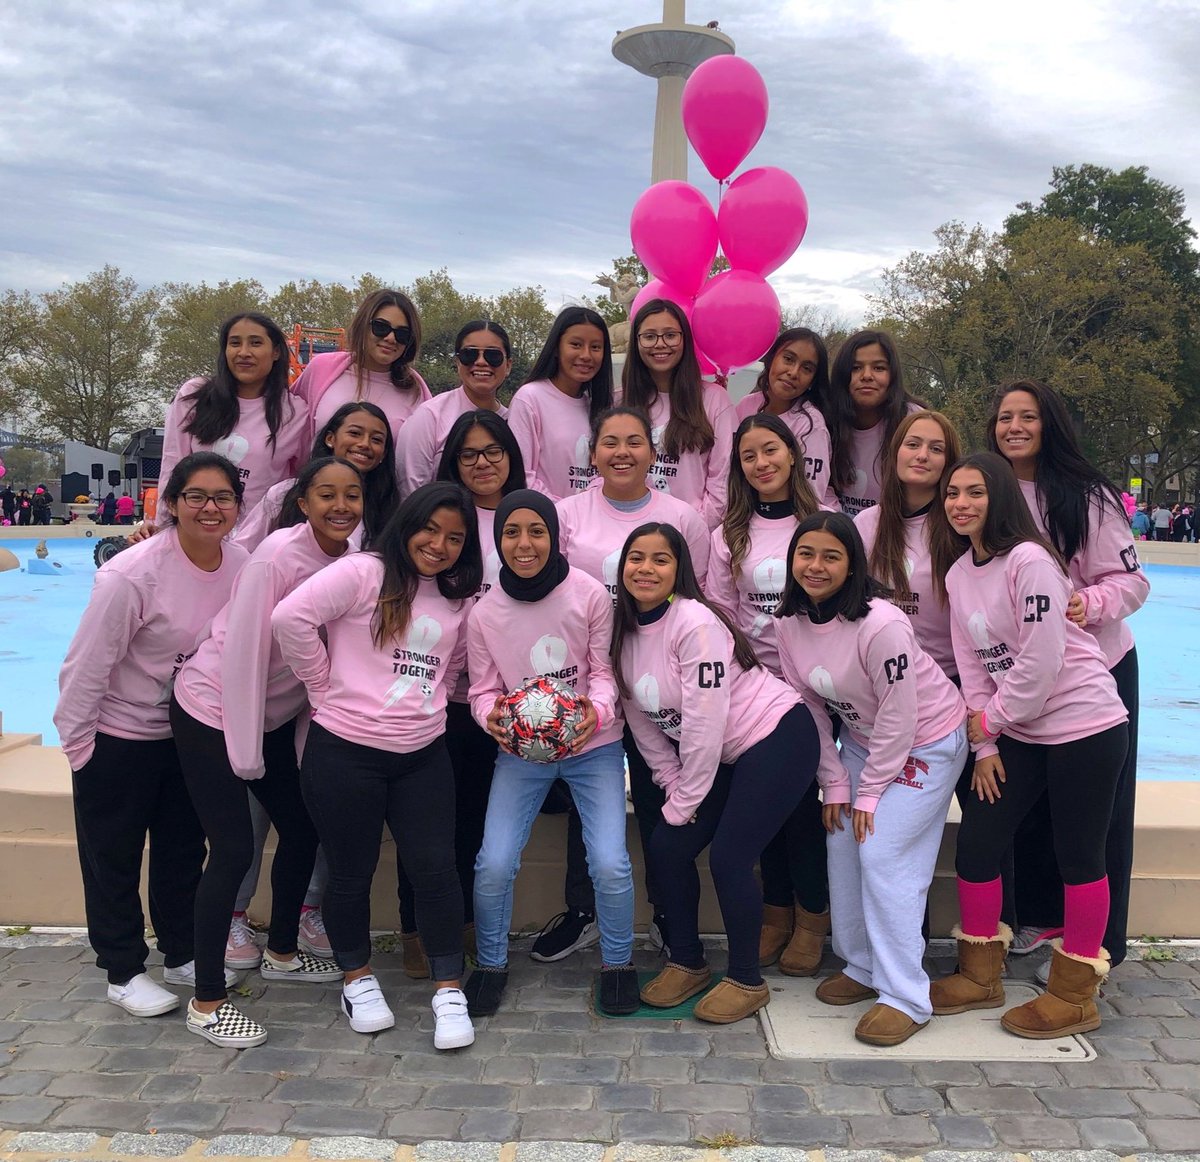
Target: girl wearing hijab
{"x":547,"y":618}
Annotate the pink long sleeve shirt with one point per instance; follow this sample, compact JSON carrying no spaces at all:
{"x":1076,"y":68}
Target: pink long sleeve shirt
{"x":687,"y":687}
{"x":553,"y":431}
{"x":420,"y":442}
{"x":889,"y":693}
{"x":1106,"y":574}
{"x":930,"y":618}
{"x":256,"y":523}
{"x":247,"y":447}
{"x":592,"y":532}
{"x":1035,"y":675}
{"x":808,"y":425}
{"x":486,"y":518}
{"x":564,"y":635}
{"x":237,"y":681}
{"x":752,"y":595}
{"x":394,"y":698}
{"x":866,"y":446}
{"x":149,"y":610}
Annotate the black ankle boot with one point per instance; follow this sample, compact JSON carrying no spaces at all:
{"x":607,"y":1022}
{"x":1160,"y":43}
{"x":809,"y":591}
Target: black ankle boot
{"x":619,"y":993}
{"x":484,"y":990}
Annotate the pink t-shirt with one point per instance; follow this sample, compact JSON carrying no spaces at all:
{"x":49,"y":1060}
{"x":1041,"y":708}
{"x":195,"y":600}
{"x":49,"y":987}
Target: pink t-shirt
{"x":237,"y":681}
{"x":149,"y":610}
{"x":247,"y":447}
{"x":592,"y":532}
{"x":930,"y":618}
{"x":889,"y":693}
{"x":377,"y":388}
{"x":565,"y":635}
{"x":1106,"y":574}
{"x":553,"y":430}
{"x":1036,"y":676}
{"x":687,"y":687}
{"x":866,"y":446}
{"x":125,"y":505}
{"x":392,"y":699}
{"x":808,"y":425}
{"x":420,"y":442}
{"x":752,"y":596}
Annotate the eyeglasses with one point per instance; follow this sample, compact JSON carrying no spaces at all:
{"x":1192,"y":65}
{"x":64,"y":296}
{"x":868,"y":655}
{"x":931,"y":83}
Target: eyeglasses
{"x":667,"y":338}
{"x":195,"y":498}
{"x":492,"y":356}
{"x":381,"y":328}
{"x":493,"y":454}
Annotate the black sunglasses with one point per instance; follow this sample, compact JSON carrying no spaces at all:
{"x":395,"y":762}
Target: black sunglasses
{"x":492,"y":356}
{"x":381,"y":328}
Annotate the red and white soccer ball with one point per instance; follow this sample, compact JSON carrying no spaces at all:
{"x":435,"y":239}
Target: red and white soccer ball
{"x":541,"y":719}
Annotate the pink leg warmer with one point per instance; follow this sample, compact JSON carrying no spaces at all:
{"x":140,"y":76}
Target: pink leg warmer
{"x":979,"y":905}
{"x":1085,"y":916}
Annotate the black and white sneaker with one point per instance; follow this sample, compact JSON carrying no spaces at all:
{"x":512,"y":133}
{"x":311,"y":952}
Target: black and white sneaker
{"x":363,"y":1003}
{"x":302,"y":969}
{"x":657,"y":934}
{"x":228,"y":1027}
{"x":568,"y":932}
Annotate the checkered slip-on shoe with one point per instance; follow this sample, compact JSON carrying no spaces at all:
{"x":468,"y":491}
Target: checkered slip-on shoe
{"x":227,"y":1027}
{"x":304,"y":969}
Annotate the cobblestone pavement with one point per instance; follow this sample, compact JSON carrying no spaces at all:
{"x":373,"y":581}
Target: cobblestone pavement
{"x":546,"y":1080}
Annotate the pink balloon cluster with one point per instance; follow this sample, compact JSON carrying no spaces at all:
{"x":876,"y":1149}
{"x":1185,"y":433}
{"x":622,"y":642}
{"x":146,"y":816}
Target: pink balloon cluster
{"x":762,"y":219}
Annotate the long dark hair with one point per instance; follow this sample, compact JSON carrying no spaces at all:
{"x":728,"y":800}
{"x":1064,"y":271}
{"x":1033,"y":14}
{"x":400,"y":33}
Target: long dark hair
{"x":215,"y":409}
{"x":839,"y":410}
{"x":853,"y":600}
{"x":183,"y":472}
{"x":380,"y":493}
{"x":1008,"y":521}
{"x":401,"y":372}
{"x":686,"y":585}
{"x":945,"y":546}
{"x":547,"y":364}
{"x":1066,"y":482}
{"x":689,"y":428}
{"x":497,"y":427}
{"x":735,"y":528}
{"x":818,"y":391}
{"x":488,"y":325}
{"x":290,"y":513}
{"x":393,"y":609}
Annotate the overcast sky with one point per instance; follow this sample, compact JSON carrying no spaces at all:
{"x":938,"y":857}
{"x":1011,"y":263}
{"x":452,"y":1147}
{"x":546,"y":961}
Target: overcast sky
{"x":502,"y":140}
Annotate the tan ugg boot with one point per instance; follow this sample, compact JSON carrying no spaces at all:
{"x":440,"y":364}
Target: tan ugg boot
{"x":416,"y":966}
{"x":776,"y":932}
{"x":1069,"y":1003}
{"x":674,"y":985}
{"x":841,"y":989}
{"x":883,"y":1025}
{"x":731,"y":1001}
{"x":976,"y":983}
{"x":802,"y":956}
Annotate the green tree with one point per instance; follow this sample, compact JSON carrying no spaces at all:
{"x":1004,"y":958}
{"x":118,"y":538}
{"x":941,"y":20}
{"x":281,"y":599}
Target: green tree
{"x":85,"y":371}
{"x":18,"y":317}
{"x":320,"y":304}
{"x":190,"y":322}
{"x":28,"y":467}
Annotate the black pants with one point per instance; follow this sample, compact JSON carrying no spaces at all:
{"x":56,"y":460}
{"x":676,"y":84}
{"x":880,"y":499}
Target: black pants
{"x":1038,"y":886}
{"x":1079,"y":778}
{"x":220,"y":799}
{"x":473,"y":757}
{"x":351,"y":791}
{"x":739,"y":816}
{"x":126,"y":790}
{"x":793,"y":864}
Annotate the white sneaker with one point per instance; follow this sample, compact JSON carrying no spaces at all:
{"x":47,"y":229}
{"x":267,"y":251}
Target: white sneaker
{"x":142,"y":997}
{"x":185,"y":974}
{"x":301,"y":969}
{"x":453,"y":1028}
{"x":312,"y":936}
{"x":228,"y":1027}
{"x":363,"y":1003}
{"x":241,"y":949}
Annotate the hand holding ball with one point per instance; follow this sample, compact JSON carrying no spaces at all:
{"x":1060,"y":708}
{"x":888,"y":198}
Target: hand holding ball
{"x":542,"y":720}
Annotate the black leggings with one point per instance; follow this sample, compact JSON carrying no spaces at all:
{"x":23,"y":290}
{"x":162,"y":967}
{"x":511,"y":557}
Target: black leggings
{"x":1079,"y":778}
{"x":351,"y":791}
{"x":220,"y":799}
{"x":738,"y":817}
{"x":793,"y":865}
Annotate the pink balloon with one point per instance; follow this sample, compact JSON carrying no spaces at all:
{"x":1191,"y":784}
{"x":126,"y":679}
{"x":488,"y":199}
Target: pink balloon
{"x":657,"y":289}
{"x":724,"y":110}
{"x":674,"y":233}
{"x":735,"y":319}
{"x":762,"y":219}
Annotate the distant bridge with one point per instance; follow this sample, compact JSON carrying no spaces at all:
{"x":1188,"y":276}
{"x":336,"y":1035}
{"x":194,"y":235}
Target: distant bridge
{"x":12,"y":440}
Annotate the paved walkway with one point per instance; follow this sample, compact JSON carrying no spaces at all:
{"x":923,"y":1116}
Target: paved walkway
{"x":552,"y":1081}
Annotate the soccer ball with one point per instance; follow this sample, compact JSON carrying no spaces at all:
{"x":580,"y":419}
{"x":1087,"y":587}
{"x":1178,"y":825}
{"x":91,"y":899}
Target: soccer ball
{"x":541,"y":719}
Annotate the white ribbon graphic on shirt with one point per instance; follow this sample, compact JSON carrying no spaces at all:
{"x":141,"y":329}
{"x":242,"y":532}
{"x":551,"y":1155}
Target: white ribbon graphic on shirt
{"x":423,"y":635}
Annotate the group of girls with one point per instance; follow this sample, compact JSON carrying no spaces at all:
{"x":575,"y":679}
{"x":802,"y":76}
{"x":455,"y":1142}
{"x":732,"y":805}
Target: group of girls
{"x":735,"y":641}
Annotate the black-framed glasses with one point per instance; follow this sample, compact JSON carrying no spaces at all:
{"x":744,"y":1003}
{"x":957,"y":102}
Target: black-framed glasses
{"x":381,"y":328}
{"x":198,"y":498}
{"x":493,"y":454}
{"x":492,"y":356}
{"x":653,"y":338}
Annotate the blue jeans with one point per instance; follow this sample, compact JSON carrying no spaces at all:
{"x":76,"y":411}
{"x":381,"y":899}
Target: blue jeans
{"x":597,"y":782}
